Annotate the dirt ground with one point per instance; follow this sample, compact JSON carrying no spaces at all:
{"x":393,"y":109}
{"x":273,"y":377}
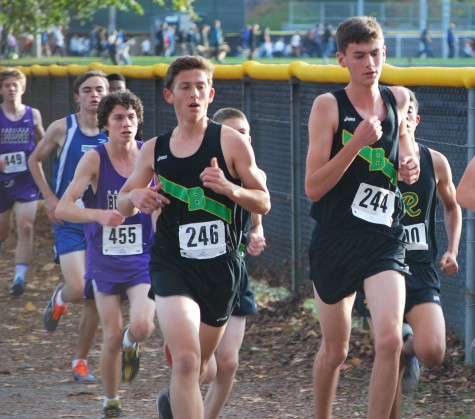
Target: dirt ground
{"x":274,"y":379}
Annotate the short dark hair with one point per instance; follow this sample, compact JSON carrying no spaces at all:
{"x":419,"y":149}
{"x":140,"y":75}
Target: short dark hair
{"x":227,"y":113}
{"x":413,"y":99}
{"x":125,"y":98}
{"x":115,"y":77}
{"x":87,"y":75}
{"x":359,"y":29}
{"x":188,"y":62}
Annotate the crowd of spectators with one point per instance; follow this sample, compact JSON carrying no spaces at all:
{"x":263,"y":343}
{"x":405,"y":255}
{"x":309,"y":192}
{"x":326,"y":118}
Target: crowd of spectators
{"x":198,"y":39}
{"x":316,"y":42}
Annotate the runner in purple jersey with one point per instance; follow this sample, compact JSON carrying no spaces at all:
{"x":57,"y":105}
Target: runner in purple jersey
{"x":117,"y":253}
{"x":69,"y":138}
{"x":20,"y":128}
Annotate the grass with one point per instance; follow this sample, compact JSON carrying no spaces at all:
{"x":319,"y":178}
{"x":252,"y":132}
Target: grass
{"x":151,"y":60}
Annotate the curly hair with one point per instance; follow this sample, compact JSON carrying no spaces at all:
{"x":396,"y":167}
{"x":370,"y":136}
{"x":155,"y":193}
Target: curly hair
{"x":125,"y":98}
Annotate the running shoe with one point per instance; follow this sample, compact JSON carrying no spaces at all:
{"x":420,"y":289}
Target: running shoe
{"x":164,"y":407}
{"x":410,"y":378}
{"x":81,"y":373}
{"x":18,"y":287}
{"x":54,"y":311}
{"x":112,"y":410}
{"x":130,"y":362}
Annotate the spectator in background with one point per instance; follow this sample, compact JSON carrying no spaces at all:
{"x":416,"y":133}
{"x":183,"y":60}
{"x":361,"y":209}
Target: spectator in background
{"x":328,"y":41}
{"x":58,"y":41}
{"x":123,"y":51}
{"x":101,"y":41}
{"x":146,"y":47}
{"x":279,"y":48}
{"x":426,"y":41}
{"x":256,"y":29}
{"x":74,"y":45}
{"x":266,"y":48}
{"x":112,"y":47}
{"x":193,"y":39}
{"x":12,"y":45}
{"x":216,"y":39}
{"x":296,"y":44}
{"x":451,"y":40}
{"x":468,"y":48}
{"x":27,"y":45}
{"x":205,"y":36}
{"x":170,"y":41}
{"x":161,"y":35}
{"x":45,"y":44}
{"x":93,"y":40}
{"x":246,"y":40}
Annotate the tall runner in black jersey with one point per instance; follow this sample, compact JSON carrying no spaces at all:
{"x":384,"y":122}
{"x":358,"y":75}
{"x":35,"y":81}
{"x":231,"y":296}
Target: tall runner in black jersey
{"x":358,"y":147}
{"x":207,"y":174}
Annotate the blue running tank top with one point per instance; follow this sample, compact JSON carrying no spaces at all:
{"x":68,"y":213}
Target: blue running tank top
{"x":17,"y":141}
{"x":76,"y":144}
{"x":117,"y":254}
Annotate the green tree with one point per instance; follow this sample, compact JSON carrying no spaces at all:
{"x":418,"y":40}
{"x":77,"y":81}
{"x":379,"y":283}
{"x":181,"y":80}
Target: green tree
{"x":33,"y":16}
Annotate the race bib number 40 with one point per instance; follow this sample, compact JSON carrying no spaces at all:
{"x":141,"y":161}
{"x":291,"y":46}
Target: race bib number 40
{"x":16,"y":162}
{"x":202,"y":240}
{"x":122,"y":240}
{"x":373,"y":204}
{"x":415,"y":237}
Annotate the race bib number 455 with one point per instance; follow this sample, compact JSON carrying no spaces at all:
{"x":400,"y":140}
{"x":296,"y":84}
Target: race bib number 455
{"x":202,"y":240}
{"x":373,"y":204}
{"x":122,"y":240}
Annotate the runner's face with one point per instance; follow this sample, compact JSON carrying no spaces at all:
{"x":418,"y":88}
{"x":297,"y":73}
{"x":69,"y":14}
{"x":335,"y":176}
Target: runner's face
{"x":91,"y":92}
{"x":364,"y":61}
{"x":116,"y":86}
{"x":190,"y":94}
{"x":122,"y":123}
{"x":11,"y":89}
{"x":239,"y":124}
{"x":412,"y":119}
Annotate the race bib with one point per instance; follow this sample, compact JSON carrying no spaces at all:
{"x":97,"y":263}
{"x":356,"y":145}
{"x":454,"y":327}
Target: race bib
{"x":122,"y":240}
{"x":415,"y":237}
{"x":373,"y":204}
{"x":202,"y":240}
{"x":16,"y":162}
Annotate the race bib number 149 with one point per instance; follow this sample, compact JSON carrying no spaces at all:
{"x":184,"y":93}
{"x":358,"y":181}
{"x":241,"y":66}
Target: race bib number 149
{"x":16,"y":162}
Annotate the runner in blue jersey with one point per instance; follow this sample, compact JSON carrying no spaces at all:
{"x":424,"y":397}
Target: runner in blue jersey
{"x":69,"y":138}
{"x":20,"y":128}
{"x":117,"y":247}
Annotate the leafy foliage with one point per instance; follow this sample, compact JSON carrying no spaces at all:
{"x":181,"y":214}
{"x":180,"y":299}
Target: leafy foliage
{"x":33,"y":16}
